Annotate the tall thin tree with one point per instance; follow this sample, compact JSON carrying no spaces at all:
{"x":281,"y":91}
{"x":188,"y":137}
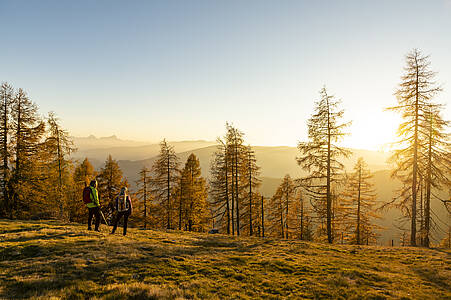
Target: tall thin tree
{"x":414,"y":95}
{"x":320,"y":155}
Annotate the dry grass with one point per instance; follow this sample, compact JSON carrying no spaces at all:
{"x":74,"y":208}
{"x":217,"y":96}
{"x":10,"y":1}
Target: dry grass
{"x":45,"y":259}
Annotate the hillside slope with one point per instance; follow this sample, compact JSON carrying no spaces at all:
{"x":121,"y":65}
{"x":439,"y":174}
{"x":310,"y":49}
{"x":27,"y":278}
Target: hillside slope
{"x":50,"y":259}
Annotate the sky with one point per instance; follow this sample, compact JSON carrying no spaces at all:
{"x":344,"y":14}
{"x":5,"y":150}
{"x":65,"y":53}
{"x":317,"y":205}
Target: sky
{"x":148,"y":70}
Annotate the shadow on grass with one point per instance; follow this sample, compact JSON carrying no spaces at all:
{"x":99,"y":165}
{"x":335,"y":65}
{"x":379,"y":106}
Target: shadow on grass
{"x":58,"y":236}
{"x":23,"y":229}
{"x":433,"y":277}
{"x":44,"y":269}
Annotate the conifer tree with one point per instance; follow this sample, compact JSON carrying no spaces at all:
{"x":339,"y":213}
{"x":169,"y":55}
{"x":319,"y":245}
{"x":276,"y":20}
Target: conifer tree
{"x":144,"y":194}
{"x":435,"y":159}
{"x":110,"y":181}
{"x":359,"y":198}
{"x":26,"y":179}
{"x":193,"y":204}
{"x":164,"y":183}
{"x":84,"y":173}
{"x":219,"y":186}
{"x":59,"y":147}
{"x":250,"y":184}
{"x":282,"y":213}
{"x":414,"y":95}
{"x":6,"y":97}
{"x":236,"y":154}
{"x":320,"y":156}
{"x":304,"y":218}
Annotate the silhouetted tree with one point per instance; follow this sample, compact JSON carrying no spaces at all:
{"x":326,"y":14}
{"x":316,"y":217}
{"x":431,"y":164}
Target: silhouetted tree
{"x":250,"y":184}
{"x":219,"y":186}
{"x":144,"y":193}
{"x":281,"y":210}
{"x":236,"y":154}
{"x":6,"y":97}
{"x":414,"y":95}
{"x":435,"y":160}
{"x":320,"y":156}
{"x":164,"y":182}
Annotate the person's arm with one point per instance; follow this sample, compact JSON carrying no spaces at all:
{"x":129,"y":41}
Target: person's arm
{"x":129,"y":205}
{"x":94,"y":195}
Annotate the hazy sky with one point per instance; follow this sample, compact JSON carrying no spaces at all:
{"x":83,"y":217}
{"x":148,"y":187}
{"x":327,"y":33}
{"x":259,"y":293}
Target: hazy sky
{"x":146,"y":70}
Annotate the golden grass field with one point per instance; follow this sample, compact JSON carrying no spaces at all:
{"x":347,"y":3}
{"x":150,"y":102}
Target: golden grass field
{"x":49,"y":259}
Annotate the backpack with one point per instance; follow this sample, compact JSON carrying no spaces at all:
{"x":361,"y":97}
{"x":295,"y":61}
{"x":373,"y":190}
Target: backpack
{"x":86,"y":195}
{"x":122,"y":203}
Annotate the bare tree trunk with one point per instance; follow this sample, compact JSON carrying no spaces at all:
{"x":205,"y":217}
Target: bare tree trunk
{"x":329,"y":200}
{"x":302,"y":216}
{"x":168,"y":197}
{"x":286,"y":215}
{"x":233,"y":197}
{"x":145,"y":201}
{"x":263,"y":219}
{"x":250,"y":196}
{"x":180,"y":205}
{"x":427,"y":208}
{"x":413,"y":229}
{"x":358,"y":207}
{"x":237,"y":190}
{"x":5,"y":169}
{"x":227,"y":190}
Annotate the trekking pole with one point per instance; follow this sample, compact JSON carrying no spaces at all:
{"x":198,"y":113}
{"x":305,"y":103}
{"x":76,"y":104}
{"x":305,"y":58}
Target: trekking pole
{"x":103,"y":216}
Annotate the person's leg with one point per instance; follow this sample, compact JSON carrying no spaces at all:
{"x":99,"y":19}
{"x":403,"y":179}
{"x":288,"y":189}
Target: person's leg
{"x":90,"y":215}
{"x":125,"y":222}
{"x":97,"y":213}
{"x":116,"y":221}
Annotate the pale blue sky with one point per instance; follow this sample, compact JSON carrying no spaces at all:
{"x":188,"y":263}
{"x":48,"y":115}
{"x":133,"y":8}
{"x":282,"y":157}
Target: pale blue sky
{"x":180,"y":69}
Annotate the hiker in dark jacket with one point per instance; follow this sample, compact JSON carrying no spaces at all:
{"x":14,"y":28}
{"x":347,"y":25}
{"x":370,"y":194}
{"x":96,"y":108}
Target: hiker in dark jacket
{"x":94,"y":206}
{"x":123,"y":206}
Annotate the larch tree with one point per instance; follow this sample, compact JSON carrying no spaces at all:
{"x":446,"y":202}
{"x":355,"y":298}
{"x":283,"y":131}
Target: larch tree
{"x":6,"y":98}
{"x":359,"y":198}
{"x":414,"y":95}
{"x":110,"y":182}
{"x":304,"y":218}
{"x":320,"y":156}
{"x":27,"y":130}
{"x":82,"y":174}
{"x":282,"y":212}
{"x":250,"y":184}
{"x":144,"y":194}
{"x":59,"y":146}
{"x":227,"y":180}
{"x":435,"y":165}
{"x":219,"y":187}
{"x":235,"y":153}
{"x":164,"y":183}
{"x":193,"y":205}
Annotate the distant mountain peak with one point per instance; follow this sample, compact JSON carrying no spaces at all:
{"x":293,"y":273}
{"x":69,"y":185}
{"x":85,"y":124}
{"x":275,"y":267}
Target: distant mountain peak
{"x":112,"y":137}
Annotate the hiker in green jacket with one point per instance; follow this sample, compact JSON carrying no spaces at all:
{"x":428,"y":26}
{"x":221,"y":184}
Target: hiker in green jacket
{"x":94,"y":206}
